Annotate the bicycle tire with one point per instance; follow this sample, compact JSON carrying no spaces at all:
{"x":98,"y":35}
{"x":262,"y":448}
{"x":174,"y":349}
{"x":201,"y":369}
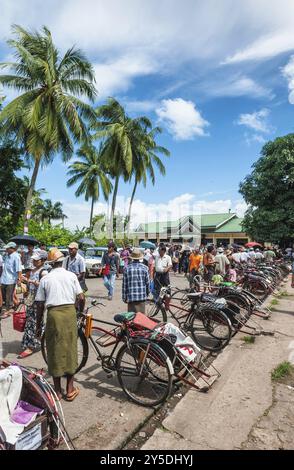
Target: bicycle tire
{"x":204,"y":333}
{"x":83,"y":350}
{"x":156,"y":311}
{"x":129,"y":367}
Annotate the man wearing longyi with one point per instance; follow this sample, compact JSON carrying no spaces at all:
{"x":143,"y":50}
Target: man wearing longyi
{"x":60,"y":292}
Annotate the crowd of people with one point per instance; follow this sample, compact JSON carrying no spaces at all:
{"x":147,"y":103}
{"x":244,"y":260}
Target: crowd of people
{"x":60,"y":289}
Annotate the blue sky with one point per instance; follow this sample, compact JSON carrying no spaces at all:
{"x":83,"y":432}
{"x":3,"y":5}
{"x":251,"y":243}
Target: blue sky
{"x":218,"y":76}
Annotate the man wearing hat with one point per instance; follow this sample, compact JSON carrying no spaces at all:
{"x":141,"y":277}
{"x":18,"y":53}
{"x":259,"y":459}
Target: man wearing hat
{"x":11,"y":275}
{"x":222,"y":263}
{"x":60,"y":292}
{"x":136,"y":283}
{"x":75,"y":263}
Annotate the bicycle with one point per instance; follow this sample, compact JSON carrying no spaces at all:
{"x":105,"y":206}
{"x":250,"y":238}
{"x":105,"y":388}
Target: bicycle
{"x":144,"y":370}
{"x":210,"y":328}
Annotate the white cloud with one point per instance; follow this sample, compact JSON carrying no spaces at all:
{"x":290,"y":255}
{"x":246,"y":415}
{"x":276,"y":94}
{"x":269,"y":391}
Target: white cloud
{"x":144,"y":37}
{"x":265,"y":47}
{"x":78,"y":213}
{"x":288,"y":72}
{"x":116,"y":76}
{"x":142,"y":212}
{"x":238,"y":86}
{"x":254,"y":138}
{"x":240,"y":207}
{"x":256,"y":121}
{"x":138,"y":106}
{"x":182,"y":118}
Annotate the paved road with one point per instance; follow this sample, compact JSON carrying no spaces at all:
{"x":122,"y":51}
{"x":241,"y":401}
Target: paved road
{"x":101,"y":403}
{"x":244,"y":409}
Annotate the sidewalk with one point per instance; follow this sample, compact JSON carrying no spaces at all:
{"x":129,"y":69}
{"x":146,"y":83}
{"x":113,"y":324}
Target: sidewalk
{"x":244,"y":409}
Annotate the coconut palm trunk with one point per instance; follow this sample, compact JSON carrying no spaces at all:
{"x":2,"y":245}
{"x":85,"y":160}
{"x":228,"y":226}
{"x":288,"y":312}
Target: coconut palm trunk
{"x":130,"y":208}
{"x":113,"y":205}
{"x":30,"y":194}
{"x":91,"y":214}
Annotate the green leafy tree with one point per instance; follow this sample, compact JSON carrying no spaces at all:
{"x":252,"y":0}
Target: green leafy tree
{"x":48,"y":116}
{"x":117,"y":130}
{"x":89,"y":172}
{"x":51,"y":211}
{"x":12,"y":188}
{"x":145,"y":158}
{"x":269,"y":191}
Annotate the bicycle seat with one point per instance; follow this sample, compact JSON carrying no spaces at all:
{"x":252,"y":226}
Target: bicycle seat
{"x":125,"y":316}
{"x":194,"y":296}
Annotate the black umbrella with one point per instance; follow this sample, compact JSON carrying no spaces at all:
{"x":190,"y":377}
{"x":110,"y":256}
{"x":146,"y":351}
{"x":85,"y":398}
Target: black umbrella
{"x":87,"y":241}
{"x":24,"y":240}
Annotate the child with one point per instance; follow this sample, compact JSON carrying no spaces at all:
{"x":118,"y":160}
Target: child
{"x":232,"y":274}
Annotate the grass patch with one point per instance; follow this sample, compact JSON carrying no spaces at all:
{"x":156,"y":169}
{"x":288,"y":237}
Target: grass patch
{"x":284,"y":294}
{"x":249,"y":339}
{"x":274,"y":302}
{"x":283,"y":371}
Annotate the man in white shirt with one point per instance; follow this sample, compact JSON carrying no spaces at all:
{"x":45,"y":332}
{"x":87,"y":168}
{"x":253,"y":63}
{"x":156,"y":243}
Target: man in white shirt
{"x":244,"y":256}
{"x":59,"y":291}
{"x":11,"y":275}
{"x":251,"y":255}
{"x":258,"y":255}
{"x":221,"y":262}
{"x":163,"y":265}
{"x":75,"y":263}
{"x":236,"y":256}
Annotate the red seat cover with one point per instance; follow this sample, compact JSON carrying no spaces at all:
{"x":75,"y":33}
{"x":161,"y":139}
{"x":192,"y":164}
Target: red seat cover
{"x":143,"y":322}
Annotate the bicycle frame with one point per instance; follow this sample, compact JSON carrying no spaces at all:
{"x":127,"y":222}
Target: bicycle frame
{"x":114,"y":338}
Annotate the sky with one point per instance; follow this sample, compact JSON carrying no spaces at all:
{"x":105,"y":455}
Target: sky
{"x":217,"y":76}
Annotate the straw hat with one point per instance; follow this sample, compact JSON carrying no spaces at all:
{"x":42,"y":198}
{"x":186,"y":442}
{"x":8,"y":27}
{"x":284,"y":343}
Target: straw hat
{"x":73,"y":245}
{"x":136,"y":254}
{"x":55,"y":256}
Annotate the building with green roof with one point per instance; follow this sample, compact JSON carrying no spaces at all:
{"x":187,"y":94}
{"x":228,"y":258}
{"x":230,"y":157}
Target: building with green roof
{"x":220,"y":229}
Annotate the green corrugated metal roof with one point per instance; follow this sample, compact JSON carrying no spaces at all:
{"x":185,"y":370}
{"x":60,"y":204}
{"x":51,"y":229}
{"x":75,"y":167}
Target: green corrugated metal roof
{"x":205,"y":220}
{"x":231,"y":226}
{"x":213,"y":220}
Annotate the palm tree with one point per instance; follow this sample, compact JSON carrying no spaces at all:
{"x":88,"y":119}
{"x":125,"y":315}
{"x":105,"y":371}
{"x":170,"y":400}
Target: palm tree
{"x":117,"y":129}
{"x":49,"y":211}
{"x":145,"y":156}
{"x":90,"y":172}
{"x":48,"y":117}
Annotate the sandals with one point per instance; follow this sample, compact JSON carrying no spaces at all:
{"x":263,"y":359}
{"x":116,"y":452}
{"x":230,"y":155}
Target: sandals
{"x":24,"y":354}
{"x":71,"y":396}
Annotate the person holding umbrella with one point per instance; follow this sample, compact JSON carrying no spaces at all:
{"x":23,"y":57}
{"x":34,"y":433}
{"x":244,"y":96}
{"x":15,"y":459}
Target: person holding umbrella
{"x":26,"y":256}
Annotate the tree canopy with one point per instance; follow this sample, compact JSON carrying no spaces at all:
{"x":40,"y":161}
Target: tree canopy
{"x":13,"y":189}
{"x":269,"y":191}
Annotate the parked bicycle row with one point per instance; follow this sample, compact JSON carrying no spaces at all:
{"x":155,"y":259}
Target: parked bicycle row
{"x":150,"y":354}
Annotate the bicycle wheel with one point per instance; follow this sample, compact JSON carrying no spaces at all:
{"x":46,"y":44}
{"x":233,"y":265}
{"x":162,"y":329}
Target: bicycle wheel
{"x":237,"y":310}
{"x":179,"y":301}
{"x":144,"y":372}
{"x":153,"y":310}
{"x":258,"y":288}
{"x":83,"y":350}
{"x":210,"y":328}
